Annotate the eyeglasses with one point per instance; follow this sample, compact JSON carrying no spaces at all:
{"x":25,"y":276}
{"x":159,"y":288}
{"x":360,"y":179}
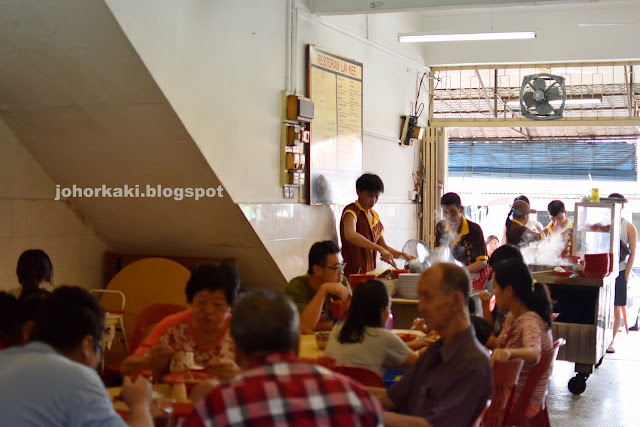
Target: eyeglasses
{"x":340,"y":266}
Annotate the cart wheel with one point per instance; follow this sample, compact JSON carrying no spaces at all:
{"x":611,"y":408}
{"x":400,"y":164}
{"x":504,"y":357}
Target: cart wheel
{"x":597,"y":365}
{"x":578,"y":384}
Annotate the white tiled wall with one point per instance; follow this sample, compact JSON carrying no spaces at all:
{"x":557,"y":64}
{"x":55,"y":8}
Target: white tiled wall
{"x":53,"y":226}
{"x":289,"y":230}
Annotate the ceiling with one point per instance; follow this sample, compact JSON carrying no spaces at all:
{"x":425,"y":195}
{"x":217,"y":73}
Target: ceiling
{"x":342,"y":7}
{"x":589,"y":43}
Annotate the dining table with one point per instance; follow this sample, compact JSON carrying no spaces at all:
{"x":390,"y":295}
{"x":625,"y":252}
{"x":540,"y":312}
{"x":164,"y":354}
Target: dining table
{"x":309,"y":349}
{"x":164,"y":410}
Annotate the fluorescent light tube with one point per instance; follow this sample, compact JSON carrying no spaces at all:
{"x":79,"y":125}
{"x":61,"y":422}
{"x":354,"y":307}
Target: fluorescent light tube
{"x":583,"y":101}
{"x":417,"y":38}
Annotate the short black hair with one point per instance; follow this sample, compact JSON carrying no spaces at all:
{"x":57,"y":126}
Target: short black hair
{"x":556,"y":207}
{"x":618,"y":196}
{"x":523,"y":198}
{"x":34,"y":266}
{"x":214,"y":276}
{"x":319,"y":252}
{"x":30,"y":304}
{"x":454,"y":279}
{"x":67,"y":317}
{"x":370,"y":182}
{"x":505,"y":252}
{"x":490,"y":238}
{"x":451,"y":199}
{"x":264,"y":322}
{"x":482,"y":327}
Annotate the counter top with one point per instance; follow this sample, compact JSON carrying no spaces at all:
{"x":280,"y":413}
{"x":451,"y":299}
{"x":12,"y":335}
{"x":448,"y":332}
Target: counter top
{"x":552,"y":279}
{"x":474,"y":293}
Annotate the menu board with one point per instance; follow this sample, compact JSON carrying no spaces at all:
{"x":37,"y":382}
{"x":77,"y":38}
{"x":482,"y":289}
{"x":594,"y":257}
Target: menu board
{"x":335,"y":149}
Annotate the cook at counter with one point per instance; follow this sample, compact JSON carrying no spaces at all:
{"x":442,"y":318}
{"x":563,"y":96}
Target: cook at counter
{"x":464,"y":238}
{"x":560,"y":226}
{"x":361,"y":230}
{"x":517,"y":233}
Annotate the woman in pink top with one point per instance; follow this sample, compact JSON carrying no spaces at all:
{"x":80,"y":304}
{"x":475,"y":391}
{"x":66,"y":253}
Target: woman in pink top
{"x":203,"y":330}
{"x":526,"y":332}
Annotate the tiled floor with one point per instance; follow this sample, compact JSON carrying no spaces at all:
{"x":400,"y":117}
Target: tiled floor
{"x":612,"y":397}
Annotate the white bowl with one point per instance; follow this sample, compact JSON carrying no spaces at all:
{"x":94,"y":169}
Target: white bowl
{"x":391,"y":284}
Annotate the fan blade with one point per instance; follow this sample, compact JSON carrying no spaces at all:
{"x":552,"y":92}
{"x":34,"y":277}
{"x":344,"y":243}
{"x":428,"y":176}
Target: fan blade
{"x":552,"y":94}
{"x":539,"y":83}
{"x":544,"y":108}
{"x":422,"y":252}
{"x":528,"y":99}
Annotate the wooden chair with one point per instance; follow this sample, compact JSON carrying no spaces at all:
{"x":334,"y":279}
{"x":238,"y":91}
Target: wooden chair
{"x":516,"y":413}
{"x":505,"y":378}
{"x":364,"y":376}
{"x":148,"y":317}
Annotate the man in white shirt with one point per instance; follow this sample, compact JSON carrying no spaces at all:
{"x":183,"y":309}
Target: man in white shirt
{"x":52,"y":381}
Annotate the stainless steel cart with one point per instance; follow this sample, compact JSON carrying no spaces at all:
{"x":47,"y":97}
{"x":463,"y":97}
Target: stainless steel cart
{"x":585,"y":321}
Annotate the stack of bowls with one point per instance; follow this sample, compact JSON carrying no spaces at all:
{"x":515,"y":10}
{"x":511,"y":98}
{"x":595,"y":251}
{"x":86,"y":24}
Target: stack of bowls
{"x":596,"y":266}
{"x":408,"y":285}
{"x":391,"y":284}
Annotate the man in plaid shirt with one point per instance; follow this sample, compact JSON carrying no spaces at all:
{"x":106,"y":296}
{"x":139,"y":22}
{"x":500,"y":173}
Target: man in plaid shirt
{"x":276,"y":388}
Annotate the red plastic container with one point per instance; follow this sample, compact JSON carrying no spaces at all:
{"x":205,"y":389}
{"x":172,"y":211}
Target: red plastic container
{"x":356,"y":279}
{"x":406,"y":336}
{"x":397,"y":272}
{"x":563,"y":273}
{"x":597,"y":263}
{"x":339,"y":308}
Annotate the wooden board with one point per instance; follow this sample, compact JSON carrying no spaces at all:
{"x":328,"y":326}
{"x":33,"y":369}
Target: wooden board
{"x":335,"y":150}
{"x":116,"y":261}
{"x":149,"y":281}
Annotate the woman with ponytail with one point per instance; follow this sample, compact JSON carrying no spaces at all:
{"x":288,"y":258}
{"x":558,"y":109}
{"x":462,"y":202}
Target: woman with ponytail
{"x":516,"y":232}
{"x":361,"y":340}
{"x":526,"y":332}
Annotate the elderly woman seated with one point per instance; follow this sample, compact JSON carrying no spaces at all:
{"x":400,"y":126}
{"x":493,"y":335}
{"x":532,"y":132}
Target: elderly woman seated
{"x":201,"y":331}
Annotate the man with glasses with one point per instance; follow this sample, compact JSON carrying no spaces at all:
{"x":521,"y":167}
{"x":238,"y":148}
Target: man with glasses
{"x":313,"y":292}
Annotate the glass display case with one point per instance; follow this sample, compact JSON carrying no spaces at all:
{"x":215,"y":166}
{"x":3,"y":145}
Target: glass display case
{"x":596,"y":229}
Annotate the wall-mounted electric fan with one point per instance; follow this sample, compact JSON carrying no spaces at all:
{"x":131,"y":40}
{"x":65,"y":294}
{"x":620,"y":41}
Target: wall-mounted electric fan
{"x":542,"y":96}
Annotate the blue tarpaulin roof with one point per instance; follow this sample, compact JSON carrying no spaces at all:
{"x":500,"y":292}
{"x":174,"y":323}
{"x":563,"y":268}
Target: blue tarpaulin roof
{"x":562,"y":160}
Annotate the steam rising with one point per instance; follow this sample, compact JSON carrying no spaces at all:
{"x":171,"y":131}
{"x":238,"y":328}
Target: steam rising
{"x":546,"y":252}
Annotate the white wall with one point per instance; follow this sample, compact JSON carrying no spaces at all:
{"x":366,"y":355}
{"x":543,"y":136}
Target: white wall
{"x":31,"y":219}
{"x":560,"y":37}
{"x":21,"y":176}
{"x":390,"y":82}
{"x":222,"y":66}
